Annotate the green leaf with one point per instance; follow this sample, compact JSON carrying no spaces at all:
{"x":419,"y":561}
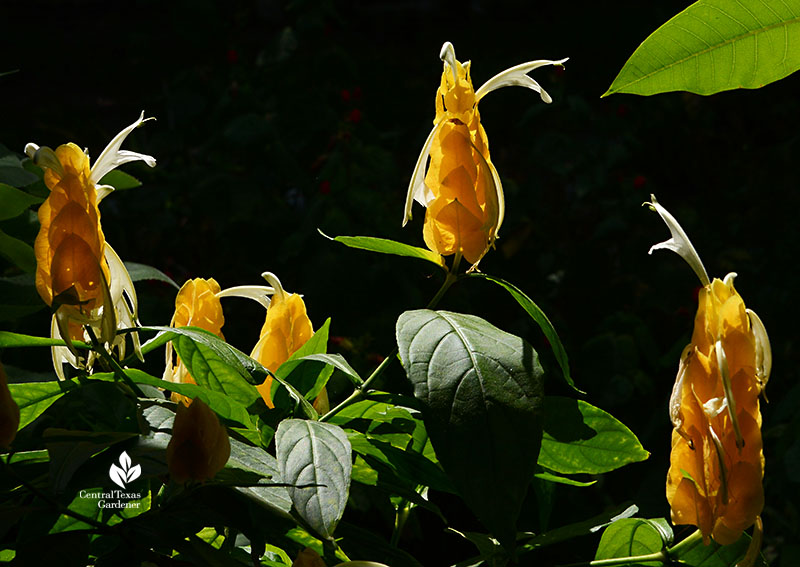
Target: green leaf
{"x":338,"y":362}
{"x":697,"y":554}
{"x":34,"y":398}
{"x":257,"y":460}
{"x":385,"y":246}
{"x":319,"y":454}
{"x":15,"y":340}
{"x":16,"y":176}
{"x":15,"y":202}
{"x":631,"y":537}
{"x":551,"y":477}
{"x":541,"y":319}
{"x":584,"y":527}
{"x":139,"y":272}
{"x":481,"y":394}
{"x":230,"y":357}
{"x":70,"y":449}
{"x":713,"y":46}
{"x":85,"y":506}
{"x":18,"y":297}
{"x":580,"y":438}
{"x":224,"y":405}
{"x":17,"y":252}
{"x":406,"y":465}
{"x":120,"y":180}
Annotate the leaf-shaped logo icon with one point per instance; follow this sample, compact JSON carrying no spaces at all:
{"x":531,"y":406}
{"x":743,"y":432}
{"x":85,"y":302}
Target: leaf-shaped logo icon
{"x":134,"y":473}
{"x":117,"y":475}
{"x":125,"y":473}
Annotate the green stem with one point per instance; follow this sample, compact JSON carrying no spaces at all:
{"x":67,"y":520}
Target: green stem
{"x":660,"y":556}
{"x":361,"y":390}
{"x":686,"y":544}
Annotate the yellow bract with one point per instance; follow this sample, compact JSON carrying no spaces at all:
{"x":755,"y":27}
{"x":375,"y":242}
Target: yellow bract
{"x":286,"y":328}
{"x":464,"y":214}
{"x":717,"y":463}
{"x":70,"y":245}
{"x":461,"y":188}
{"x":196,"y":305}
{"x":199,"y":447}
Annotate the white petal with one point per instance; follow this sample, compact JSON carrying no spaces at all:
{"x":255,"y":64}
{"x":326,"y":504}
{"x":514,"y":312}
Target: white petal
{"x":675,"y":398}
{"x":498,"y":189}
{"x":103,"y":191}
{"x":417,"y":190}
{"x":62,"y":354}
{"x":763,"y":349}
{"x":112,"y":156}
{"x":679,"y":243}
{"x":448,"y":55}
{"x":121,"y":286}
{"x":517,"y":76}
{"x":259,"y":293}
{"x":722,"y":363}
{"x":273,"y":280}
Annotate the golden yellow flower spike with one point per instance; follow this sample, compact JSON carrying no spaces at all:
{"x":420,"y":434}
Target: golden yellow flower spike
{"x":717,"y":463}
{"x":196,"y":305}
{"x":199,"y":447}
{"x":77,"y":273}
{"x":461,"y":189}
{"x":286,"y":328}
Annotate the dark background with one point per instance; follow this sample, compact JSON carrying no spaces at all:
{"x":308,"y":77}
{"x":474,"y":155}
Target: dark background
{"x":276,"y":119}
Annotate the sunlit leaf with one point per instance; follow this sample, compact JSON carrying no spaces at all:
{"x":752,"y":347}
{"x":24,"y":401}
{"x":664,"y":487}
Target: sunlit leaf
{"x":581,"y":438}
{"x":34,"y":398}
{"x":318,"y":454}
{"x":481,"y":392}
{"x":632,"y":537}
{"x":14,"y":340}
{"x":713,"y":46}
{"x":385,"y":246}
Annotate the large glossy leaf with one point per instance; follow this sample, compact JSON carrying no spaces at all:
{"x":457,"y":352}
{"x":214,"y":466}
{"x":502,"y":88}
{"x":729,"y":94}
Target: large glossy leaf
{"x":35,"y":397}
{"x":212,"y":362}
{"x":631,"y":537}
{"x":481,"y":394}
{"x":581,"y":438}
{"x":716,"y":45}
{"x":385,"y":246}
{"x":316,"y":459}
{"x":541,"y":319}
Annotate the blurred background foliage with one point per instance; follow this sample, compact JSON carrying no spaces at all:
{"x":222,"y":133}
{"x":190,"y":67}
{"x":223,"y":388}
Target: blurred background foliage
{"x":276,"y":119}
